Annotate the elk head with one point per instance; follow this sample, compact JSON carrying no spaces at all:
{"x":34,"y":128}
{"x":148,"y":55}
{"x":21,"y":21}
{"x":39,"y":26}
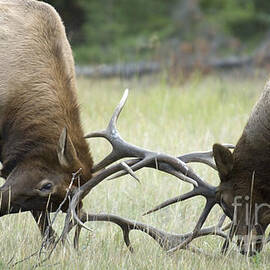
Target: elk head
{"x":40,"y":183}
{"x":241,"y":199}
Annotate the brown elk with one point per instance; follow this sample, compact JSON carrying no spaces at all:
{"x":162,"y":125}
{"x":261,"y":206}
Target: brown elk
{"x":244,"y":174}
{"x":41,"y":139}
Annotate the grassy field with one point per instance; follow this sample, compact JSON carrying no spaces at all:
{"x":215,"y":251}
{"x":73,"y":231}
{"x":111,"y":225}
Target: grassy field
{"x":172,"y":119}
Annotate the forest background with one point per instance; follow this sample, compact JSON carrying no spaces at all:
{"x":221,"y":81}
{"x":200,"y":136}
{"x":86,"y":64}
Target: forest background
{"x":117,"y":31}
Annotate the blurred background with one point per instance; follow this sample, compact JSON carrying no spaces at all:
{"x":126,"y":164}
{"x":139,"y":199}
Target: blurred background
{"x":131,"y":37}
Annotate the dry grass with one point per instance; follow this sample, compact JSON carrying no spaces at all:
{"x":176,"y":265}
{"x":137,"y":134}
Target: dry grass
{"x":173,"y":119}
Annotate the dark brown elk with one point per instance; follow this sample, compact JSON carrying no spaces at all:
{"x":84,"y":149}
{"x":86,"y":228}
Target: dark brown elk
{"x":244,"y":191}
{"x":41,"y":139}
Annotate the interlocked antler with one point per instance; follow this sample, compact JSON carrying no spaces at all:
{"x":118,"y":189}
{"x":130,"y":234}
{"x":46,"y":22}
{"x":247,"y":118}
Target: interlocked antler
{"x":122,"y":149}
{"x":168,"y":241}
{"x":143,"y":158}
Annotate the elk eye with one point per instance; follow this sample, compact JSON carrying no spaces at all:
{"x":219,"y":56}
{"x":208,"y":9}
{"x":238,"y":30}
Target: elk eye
{"x":45,"y":187}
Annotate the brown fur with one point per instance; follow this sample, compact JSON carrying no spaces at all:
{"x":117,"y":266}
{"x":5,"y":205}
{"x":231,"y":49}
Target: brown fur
{"x":246,"y":171}
{"x":37,"y":101}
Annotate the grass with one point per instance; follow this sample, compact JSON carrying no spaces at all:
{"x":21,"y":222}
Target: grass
{"x":171,"y":119}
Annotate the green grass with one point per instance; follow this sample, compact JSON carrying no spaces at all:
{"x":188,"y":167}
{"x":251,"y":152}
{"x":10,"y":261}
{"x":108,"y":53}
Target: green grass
{"x":161,"y":117}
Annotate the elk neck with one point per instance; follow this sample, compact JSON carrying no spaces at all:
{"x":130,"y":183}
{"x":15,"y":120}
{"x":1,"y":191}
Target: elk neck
{"x":33,"y":124}
{"x":251,"y":155}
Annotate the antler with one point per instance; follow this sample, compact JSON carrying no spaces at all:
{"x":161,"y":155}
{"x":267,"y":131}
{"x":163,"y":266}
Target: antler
{"x":168,"y":241}
{"x":202,"y":189}
{"x":203,"y":157}
{"x":143,"y":158}
{"x":122,"y":149}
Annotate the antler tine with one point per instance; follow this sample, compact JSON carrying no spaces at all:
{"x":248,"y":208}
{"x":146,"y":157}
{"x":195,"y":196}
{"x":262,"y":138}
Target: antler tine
{"x":203,"y":157}
{"x":111,"y":158}
{"x":209,"y":205}
{"x":109,"y":134}
{"x":221,"y":221}
{"x":112,"y":125}
{"x":202,"y":189}
{"x":162,"y":166}
{"x":129,"y":170}
{"x":176,"y":199}
{"x":111,"y":128}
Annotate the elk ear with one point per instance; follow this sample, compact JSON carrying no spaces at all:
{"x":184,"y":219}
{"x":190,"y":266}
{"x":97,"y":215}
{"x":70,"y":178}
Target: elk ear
{"x":224,"y":160}
{"x":66,"y":152}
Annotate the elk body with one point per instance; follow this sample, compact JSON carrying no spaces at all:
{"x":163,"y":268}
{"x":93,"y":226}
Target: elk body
{"x":244,"y":191}
{"x":41,"y":139}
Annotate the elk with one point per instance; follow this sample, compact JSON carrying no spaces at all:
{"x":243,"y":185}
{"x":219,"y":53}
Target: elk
{"x":244,"y":175}
{"x":41,"y":138}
